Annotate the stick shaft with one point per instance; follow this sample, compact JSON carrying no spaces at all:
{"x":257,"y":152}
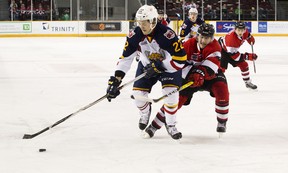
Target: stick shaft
{"x":30,"y":136}
{"x":162,"y":97}
{"x":252,"y":47}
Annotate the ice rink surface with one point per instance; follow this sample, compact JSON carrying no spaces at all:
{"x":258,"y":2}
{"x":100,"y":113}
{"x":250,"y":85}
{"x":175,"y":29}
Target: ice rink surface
{"x":43,"y":80}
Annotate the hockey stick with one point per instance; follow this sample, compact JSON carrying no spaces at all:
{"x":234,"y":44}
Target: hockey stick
{"x":253,"y":59}
{"x":146,"y":99}
{"x":30,"y":136}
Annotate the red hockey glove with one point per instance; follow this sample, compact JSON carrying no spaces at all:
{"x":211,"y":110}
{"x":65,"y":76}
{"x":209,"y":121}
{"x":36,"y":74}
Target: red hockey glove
{"x":249,"y":56}
{"x":197,"y":77}
{"x":251,"y":40}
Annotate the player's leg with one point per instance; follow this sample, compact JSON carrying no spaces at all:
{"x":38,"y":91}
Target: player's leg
{"x":244,"y":67}
{"x":143,"y":87}
{"x":220,"y":91}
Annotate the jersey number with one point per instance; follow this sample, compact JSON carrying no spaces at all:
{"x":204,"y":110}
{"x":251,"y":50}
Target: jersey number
{"x":177,"y":46}
{"x":126,"y":45}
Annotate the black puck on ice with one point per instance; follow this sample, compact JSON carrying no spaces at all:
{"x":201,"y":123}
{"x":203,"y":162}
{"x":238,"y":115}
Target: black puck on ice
{"x":42,"y":150}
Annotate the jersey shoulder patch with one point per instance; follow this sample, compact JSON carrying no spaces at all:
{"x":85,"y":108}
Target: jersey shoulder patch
{"x":131,"y":33}
{"x":169,"y":34}
{"x":184,"y":26}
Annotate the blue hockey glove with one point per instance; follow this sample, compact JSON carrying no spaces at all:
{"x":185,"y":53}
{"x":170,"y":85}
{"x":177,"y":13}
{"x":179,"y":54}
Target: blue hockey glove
{"x":153,"y":69}
{"x":112,"y":89}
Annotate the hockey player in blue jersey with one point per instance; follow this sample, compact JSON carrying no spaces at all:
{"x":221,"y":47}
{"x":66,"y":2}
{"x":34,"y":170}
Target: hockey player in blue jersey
{"x":161,"y":56}
{"x":190,"y":26}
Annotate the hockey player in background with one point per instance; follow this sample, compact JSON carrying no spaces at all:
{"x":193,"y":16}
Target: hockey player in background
{"x":161,"y":56}
{"x":164,"y":19}
{"x":203,"y":68}
{"x":190,"y":26}
{"x":230,"y":51}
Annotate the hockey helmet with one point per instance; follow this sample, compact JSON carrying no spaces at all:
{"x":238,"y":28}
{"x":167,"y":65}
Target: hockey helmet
{"x":206,"y":29}
{"x":147,"y":12}
{"x":240,"y":25}
{"x":193,"y":10}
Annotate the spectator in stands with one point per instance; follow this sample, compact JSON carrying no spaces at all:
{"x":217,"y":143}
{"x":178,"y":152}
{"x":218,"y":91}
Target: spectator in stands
{"x":231,"y":14}
{"x":29,"y":11}
{"x":210,"y":14}
{"x":14,"y":15}
{"x":253,"y":13}
{"x":23,"y":12}
{"x":65,"y":15}
{"x":238,"y":12}
{"x":262,"y":13}
{"x":39,"y":12}
{"x":224,"y":11}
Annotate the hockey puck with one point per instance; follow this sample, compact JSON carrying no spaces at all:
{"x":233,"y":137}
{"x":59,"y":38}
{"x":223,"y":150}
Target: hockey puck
{"x":42,"y":150}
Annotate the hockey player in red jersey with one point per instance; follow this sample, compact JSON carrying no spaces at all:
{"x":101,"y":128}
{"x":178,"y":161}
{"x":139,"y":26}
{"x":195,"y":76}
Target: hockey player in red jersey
{"x":161,"y":56}
{"x":203,"y":57}
{"x":230,"y":51}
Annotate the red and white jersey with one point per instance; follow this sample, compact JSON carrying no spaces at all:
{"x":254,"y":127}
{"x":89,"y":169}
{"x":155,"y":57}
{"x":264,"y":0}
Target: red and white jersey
{"x":232,"y":42}
{"x":207,"y":59}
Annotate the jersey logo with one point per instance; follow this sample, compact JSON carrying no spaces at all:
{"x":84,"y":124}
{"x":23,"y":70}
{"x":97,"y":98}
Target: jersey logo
{"x":154,"y":56}
{"x":131,"y":33}
{"x":169,"y":34}
{"x":197,"y":57}
{"x":184,"y":26}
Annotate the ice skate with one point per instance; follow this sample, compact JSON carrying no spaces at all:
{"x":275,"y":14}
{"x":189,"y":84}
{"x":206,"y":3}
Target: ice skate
{"x":149,"y":131}
{"x":250,"y":85}
{"x":173,"y":132}
{"x":144,"y":120}
{"x":221,"y":129}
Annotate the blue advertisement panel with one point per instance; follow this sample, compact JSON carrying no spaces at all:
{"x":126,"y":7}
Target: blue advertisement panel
{"x":225,"y":27}
{"x":262,"y":27}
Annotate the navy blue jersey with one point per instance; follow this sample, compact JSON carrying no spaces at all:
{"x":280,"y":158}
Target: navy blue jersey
{"x":162,"y":44}
{"x":189,"y":28}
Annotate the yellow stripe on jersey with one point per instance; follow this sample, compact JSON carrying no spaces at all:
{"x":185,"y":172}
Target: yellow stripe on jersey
{"x":180,"y":58}
{"x":171,"y":106}
{"x":170,"y":85}
{"x":141,"y":89}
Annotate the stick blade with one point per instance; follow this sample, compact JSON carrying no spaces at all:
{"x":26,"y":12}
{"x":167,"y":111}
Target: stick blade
{"x":27,"y":136}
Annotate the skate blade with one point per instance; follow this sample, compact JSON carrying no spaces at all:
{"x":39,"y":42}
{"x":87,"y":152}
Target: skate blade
{"x":178,"y":141}
{"x":253,"y":90}
{"x":145,"y":135}
{"x":220,"y":135}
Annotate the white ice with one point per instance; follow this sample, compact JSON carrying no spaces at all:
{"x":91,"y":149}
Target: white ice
{"x":43,"y":80}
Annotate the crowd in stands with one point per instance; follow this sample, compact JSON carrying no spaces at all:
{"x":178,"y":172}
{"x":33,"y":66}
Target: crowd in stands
{"x":230,"y":9}
{"x":22,"y":9}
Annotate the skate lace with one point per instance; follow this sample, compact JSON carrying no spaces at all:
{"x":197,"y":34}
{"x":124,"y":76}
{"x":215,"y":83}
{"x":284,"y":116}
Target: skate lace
{"x":221,"y":125}
{"x":152,"y":129}
{"x":250,"y":84}
{"x":172,"y":130}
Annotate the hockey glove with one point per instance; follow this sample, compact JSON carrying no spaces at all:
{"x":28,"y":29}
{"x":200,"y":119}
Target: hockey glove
{"x":112,"y":90}
{"x":197,"y":76}
{"x":251,"y":40}
{"x":153,"y":69}
{"x":249,"y":56}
